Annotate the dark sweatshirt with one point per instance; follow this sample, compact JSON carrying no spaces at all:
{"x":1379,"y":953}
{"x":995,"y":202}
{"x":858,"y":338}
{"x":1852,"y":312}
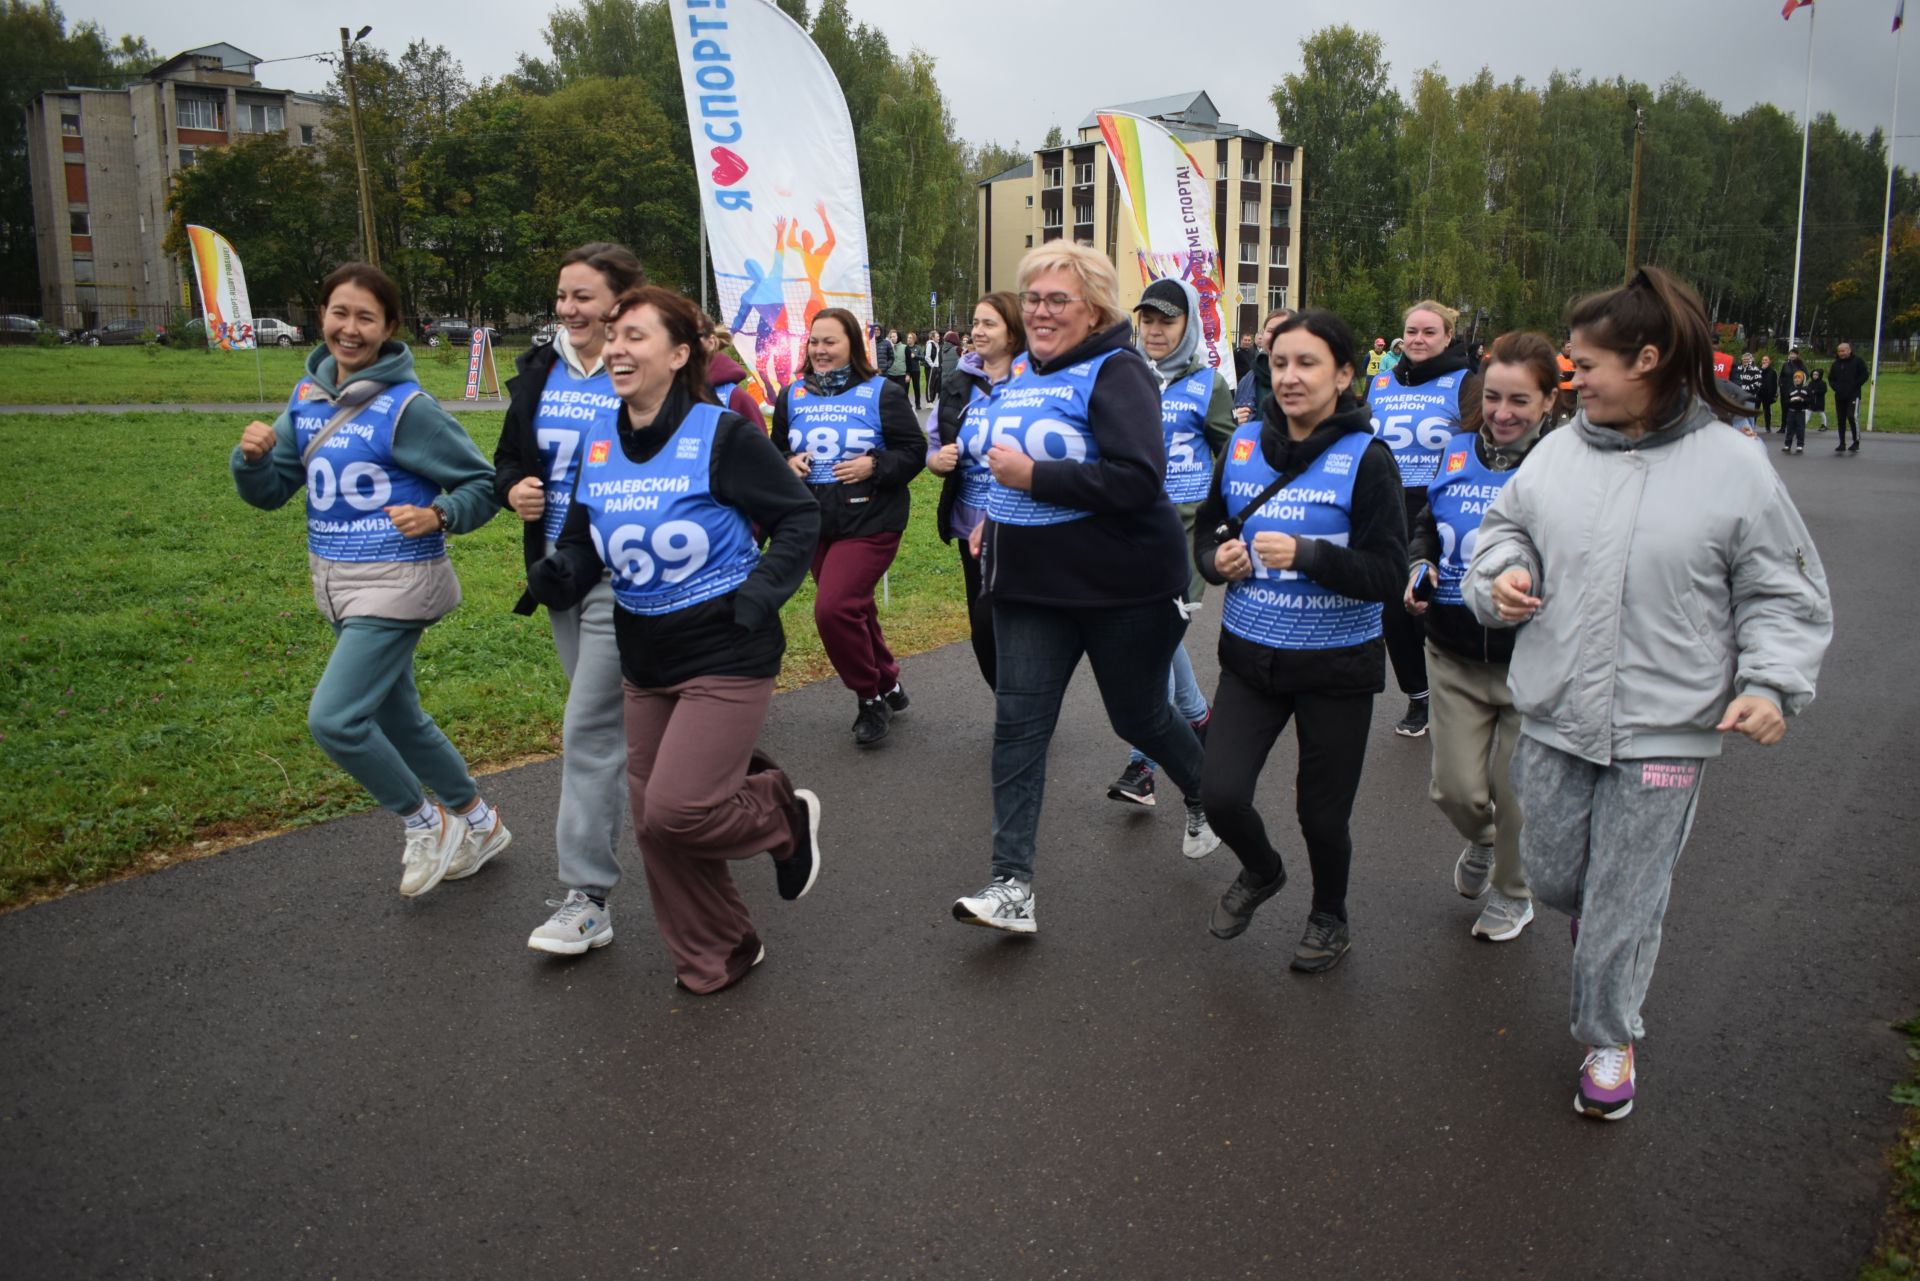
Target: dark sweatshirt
{"x":1371,"y":567}
{"x":518,"y":455}
{"x":881,"y":503}
{"x":738,"y":634}
{"x":722,"y":368}
{"x":1130,"y":549}
{"x":1848,"y":378}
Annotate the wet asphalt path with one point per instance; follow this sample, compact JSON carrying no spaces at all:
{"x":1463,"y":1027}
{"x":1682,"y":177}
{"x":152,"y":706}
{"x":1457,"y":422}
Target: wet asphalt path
{"x":268,"y":1064}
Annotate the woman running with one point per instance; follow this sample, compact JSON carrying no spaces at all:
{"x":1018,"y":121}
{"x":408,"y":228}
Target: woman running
{"x":1196,"y":421}
{"x":560,"y":392}
{"x":1416,"y":410}
{"x":670,"y":491}
{"x":1305,"y":524}
{"x":1667,"y":594}
{"x":851,"y":435}
{"x":1081,"y":552}
{"x":388,"y":474}
{"x":1474,"y":726}
{"x":999,"y":349}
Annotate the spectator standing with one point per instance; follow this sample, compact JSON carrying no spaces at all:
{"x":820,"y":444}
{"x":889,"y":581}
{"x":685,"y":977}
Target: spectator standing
{"x":1817,"y":398}
{"x":1848,"y":377}
{"x":1769,"y":392}
{"x":916,"y":366}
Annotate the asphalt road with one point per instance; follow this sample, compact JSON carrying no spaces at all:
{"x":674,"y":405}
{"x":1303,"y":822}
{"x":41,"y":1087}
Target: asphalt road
{"x":268,"y":1064}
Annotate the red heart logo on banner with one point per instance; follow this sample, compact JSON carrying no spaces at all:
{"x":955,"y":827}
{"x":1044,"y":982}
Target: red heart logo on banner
{"x":728,"y":168}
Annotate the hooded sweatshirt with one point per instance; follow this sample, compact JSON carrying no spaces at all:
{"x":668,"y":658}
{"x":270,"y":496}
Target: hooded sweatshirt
{"x":969,"y":380}
{"x":723,"y":369}
{"x":1186,"y":359}
{"x":1674,"y":573}
{"x":427,"y":441}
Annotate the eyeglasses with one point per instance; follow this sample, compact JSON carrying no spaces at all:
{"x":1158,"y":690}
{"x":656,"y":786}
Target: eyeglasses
{"x":1047,"y":304}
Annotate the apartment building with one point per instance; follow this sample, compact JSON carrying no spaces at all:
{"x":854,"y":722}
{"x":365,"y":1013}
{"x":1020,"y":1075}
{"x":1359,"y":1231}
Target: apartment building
{"x":1071,"y":191}
{"x":103,"y":162}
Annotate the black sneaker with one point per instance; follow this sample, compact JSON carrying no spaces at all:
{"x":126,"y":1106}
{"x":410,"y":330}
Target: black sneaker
{"x":797,"y":872}
{"x":1321,"y":947}
{"x":897,"y":698}
{"x":1854,"y":448}
{"x":1414,"y":723}
{"x":1840,"y":448}
{"x":870,"y":726}
{"x":1135,"y":784}
{"x":1234,"y":912}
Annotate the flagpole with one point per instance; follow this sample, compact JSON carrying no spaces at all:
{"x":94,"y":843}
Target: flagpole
{"x":1886,"y":229}
{"x":1800,"y":228}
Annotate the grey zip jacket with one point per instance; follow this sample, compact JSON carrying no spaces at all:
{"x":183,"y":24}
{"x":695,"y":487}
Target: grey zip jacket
{"x":1673,"y":571}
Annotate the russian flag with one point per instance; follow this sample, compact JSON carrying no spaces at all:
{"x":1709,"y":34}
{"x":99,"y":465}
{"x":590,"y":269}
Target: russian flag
{"x":1786,"y":10}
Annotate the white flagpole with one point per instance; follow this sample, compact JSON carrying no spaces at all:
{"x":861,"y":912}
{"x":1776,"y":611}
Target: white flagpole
{"x":1886,"y":229}
{"x":1800,"y":229}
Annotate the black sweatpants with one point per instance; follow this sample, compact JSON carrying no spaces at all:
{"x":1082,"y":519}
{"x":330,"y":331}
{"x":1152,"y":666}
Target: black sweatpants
{"x":1766,"y":415}
{"x":1847,"y":413}
{"x":1406,"y":635}
{"x":979,"y":612}
{"x":1332,"y":732}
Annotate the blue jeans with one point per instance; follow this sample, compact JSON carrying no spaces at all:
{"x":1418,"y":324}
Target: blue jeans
{"x":1183,"y":691}
{"x":1131,"y":649}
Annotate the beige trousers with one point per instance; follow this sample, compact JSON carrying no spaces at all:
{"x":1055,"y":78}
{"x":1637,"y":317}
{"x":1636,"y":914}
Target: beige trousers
{"x":1473,"y":728}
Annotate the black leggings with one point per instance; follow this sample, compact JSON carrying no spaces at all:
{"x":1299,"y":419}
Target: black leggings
{"x":1406,"y":635}
{"x":979,"y":611}
{"x":1766,"y":415}
{"x":1332,"y":731}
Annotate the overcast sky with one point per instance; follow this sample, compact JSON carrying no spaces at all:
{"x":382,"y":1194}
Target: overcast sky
{"x":1089,"y":53}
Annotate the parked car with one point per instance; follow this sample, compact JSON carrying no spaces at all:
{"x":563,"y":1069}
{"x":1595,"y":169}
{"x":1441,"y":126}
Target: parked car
{"x":457,"y":332}
{"x":121,"y":333}
{"x":272,"y":332}
{"x":26,"y":329}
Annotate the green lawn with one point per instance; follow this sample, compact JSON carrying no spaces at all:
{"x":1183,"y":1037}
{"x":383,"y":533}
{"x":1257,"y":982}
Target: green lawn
{"x":158,"y":642}
{"x":162,"y":375}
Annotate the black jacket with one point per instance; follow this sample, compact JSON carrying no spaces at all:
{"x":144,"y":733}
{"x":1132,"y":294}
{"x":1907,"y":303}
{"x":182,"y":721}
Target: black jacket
{"x":1372,"y":566}
{"x":1817,"y":392}
{"x":1453,"y":627}
{"x":881,"y":503}
{"x":1130,"y":549}
{"x":1769,"y":385}
{"x":738,"y":634}
{"x":518,"y":456}
{"x":1848,"y":378}
{"x":956,"y":393}
{"x":1748,"y":379}
{"x":882,"y":353}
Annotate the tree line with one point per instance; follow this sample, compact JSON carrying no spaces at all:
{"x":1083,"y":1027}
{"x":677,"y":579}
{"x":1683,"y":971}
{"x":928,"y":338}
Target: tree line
{"x":1509,"y":199}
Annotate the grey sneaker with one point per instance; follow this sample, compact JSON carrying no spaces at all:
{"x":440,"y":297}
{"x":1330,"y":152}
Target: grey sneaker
{"x":1234,"y":912}
{"x":1471,"y":869}
{"x":1200,"y":839}
{"x":1503,"y":918}
{"x":578,"y":925}
{"x":1327,"y":940}
{"x":423,"y":864}
{"x":1005,"y":904}
{"x":476,"y":849}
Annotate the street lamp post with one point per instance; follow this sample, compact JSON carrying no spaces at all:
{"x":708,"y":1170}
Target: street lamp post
{"x":369,"y":242}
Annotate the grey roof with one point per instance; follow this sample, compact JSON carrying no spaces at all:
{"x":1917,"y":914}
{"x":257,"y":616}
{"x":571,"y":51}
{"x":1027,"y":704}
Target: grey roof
{"x":232,"y":58}
{"x":1187,"y":105}
{"x":1022,"y":170}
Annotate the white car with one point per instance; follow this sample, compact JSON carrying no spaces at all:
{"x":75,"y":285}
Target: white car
{"x":270,"y":332}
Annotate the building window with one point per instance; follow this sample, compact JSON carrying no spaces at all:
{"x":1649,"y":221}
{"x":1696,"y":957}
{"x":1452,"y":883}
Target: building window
{"x":1249,"y":294}
{"x":256,"y":117}
{"x":1083,"y":174}
{"x":1221,"y":172}
{"x":1276,"y":297}
{"x":1250,"y":252}
{"x":78,"y":223}
{"x":70,"y":123}
{"x":199,"y":113}
{"x":1278,"y":258}
{"x":1029,"y":241}
{"x":1049,"y":217}
{"x":83,"y":271}
{"x":1249,"y":169}
{"x":1279,"y":216}
{"x":1282,"y":170}
{"x":1052,"y":180}
{"x":186,"y":157}
{"x":1082,"y":215}
{"x":306,"y":140}
{"x":1029,"y":200}
{"x":1250,"y":211}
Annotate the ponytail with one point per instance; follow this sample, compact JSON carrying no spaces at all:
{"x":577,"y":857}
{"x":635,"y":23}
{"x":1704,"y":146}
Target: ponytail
{"x":1656,"y":310}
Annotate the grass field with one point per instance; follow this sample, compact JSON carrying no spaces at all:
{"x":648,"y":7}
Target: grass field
{"x":162,"y":375}
{"x":158,"y":642}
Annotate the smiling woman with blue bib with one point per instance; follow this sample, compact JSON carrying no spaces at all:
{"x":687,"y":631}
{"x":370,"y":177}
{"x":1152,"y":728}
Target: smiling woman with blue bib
{"x":1305,"y":524}
{"x":388,"y":474}
{"x":670,"y":492}
{"x":1081,"y":553}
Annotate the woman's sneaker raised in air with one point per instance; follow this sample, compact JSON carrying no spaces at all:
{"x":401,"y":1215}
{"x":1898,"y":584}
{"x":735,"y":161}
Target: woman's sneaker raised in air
{"x":1200,"y":839}
{"x":429,"y":851}
{"x":1606,"y":1083}
{"x":796,"y":873}
{"x":1234,"y":912}
{"x":478,"y":848}
{"x":1005,"y":904}
{"x":1503,"y":918}
{"x":1471,"y":870}
{"x":897,"y":700}
{"x":580,"y":924}
{"x":1414,"y":723}
{"x":1135,"y":784}
{"x":1327,"y":940}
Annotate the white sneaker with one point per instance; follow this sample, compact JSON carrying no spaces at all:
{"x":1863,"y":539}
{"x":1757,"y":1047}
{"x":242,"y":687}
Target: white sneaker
{"x":577,"y":926}
{"x":1503,"y":918}
{"x":429,"y":851}
{"x":1005,"y":904}
{"x":1200,"y":840}
{"x":477,"y":848}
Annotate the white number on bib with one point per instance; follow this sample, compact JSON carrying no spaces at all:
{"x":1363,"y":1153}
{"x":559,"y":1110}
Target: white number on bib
{"x":680,"y":545}
{"x":1050,"y":440}
{"x":1397,"y":431}
{"x":1434,"y":433}
{"x":563,"y":444}
{"x":1180,"y":453}
{"x":1467,"y":545}
{"x":365,"y":486}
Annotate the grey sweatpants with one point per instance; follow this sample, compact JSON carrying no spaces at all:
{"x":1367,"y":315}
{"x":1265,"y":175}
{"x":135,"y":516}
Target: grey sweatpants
{"x":1473,"y":729}
{"x":1600,"y":843}
{"x":593,"y":741}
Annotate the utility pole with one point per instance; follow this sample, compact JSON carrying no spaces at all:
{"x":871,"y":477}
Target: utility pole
{"x":367,"y":239}
{"x":1633,"y":196}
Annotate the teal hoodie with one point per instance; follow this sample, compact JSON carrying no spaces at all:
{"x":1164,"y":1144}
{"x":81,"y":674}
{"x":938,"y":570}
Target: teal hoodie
{"x":429,"y":442}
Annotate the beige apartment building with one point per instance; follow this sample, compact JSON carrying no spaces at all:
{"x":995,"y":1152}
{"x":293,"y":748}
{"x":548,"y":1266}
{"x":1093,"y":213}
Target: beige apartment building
{"x":103,"y":163}
{"x":1071,"y":190}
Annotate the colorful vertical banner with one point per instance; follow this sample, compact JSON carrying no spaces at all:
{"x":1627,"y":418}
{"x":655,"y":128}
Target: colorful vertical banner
{"x":223,"y":290}
{"x":779,"y":179}
{"x":1167,"y":190}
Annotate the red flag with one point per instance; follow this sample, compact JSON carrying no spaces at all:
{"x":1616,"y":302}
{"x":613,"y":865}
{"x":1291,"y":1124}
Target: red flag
{"x":1786,"y":10}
